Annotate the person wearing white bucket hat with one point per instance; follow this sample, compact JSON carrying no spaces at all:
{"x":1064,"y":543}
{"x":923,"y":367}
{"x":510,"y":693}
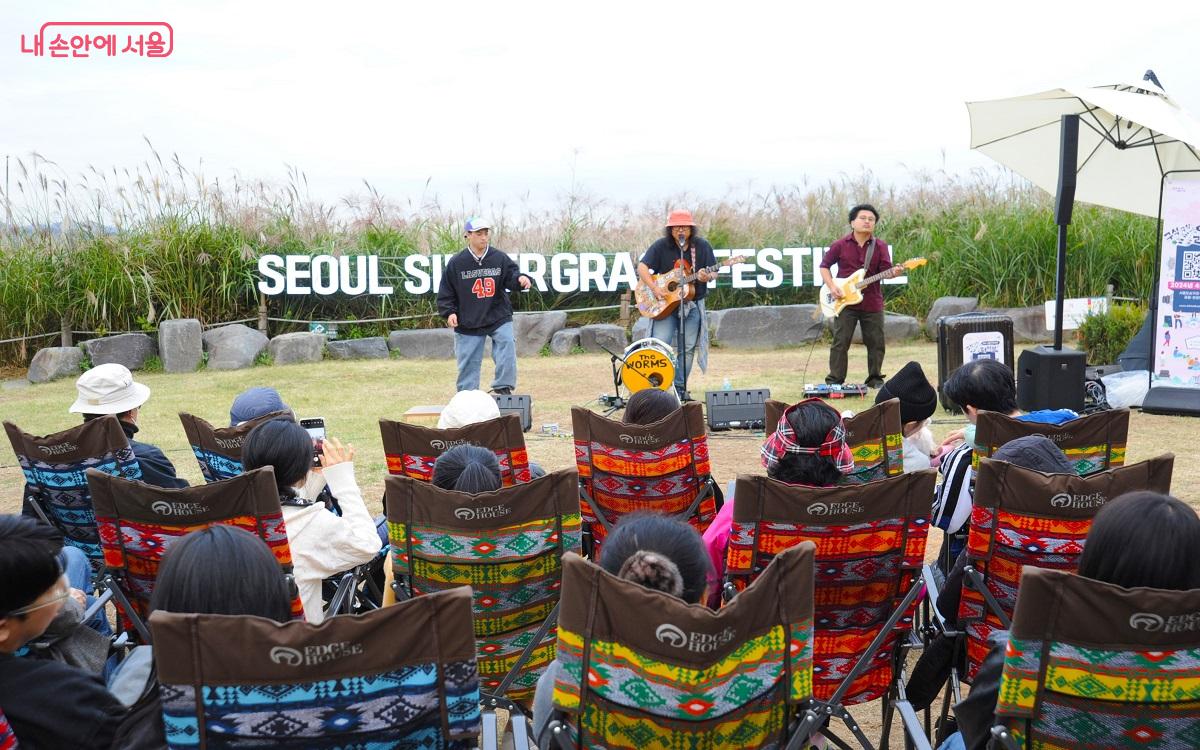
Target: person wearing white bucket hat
{"x":111,"y":389}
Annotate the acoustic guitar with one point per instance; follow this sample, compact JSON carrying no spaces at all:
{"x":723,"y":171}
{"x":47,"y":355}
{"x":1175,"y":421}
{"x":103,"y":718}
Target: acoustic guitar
{"x":852,"y":287}
{"x":679,"y":286}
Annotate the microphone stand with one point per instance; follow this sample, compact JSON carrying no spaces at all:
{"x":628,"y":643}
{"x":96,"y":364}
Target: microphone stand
{"x":682,"y":352}
{"x":617,"y":402}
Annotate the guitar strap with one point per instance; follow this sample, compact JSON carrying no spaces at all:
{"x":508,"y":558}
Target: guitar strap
{"x":870,"y":256}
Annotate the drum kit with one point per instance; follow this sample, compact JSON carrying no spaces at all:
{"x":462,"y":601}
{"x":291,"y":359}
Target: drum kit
{"x":646,"y":363}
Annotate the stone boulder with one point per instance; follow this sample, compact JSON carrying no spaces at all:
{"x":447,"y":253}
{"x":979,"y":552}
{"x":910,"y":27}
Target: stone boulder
{"x":766,"y":327}
{"x":427,"y":343}
{"x":597,"y":336}
{"x":564,"y":341}
{"x":233,"y":347}
{"x":55,"y":362}
{"x":180,"y":344}
{"x":947,"y":306}
{"x":1029,"y":323}
{"x":374,"y":347}
{"x":533,"y":330}
{"x":297,"y":348}
{"x":895,"y":328}
{"x":129,"y":349}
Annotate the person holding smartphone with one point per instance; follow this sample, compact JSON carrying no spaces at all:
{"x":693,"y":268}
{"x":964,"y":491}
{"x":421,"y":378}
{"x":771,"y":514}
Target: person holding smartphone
{"x":322,"y":543}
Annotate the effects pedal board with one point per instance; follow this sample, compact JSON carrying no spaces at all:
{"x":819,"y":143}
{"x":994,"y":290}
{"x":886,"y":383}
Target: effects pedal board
{"x":822,"y":390}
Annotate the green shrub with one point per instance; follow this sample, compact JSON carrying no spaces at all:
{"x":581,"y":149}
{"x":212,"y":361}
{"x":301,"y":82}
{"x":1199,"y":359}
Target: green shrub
{"x":1105,"y":335}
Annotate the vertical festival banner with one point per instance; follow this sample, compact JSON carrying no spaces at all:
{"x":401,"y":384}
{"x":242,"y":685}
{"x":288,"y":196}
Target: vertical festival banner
{"x":1177,"y":327}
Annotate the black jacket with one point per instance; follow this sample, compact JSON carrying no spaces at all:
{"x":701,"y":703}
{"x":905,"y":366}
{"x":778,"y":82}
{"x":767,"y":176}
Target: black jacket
{"x":53,"y":705}
{"x":157,"y":469}
{"x":661,"y":256}
{"x":477,"y":291}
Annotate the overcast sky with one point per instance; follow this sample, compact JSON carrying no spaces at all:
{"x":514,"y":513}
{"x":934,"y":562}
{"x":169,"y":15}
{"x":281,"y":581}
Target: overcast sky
{"x":630,"y":101}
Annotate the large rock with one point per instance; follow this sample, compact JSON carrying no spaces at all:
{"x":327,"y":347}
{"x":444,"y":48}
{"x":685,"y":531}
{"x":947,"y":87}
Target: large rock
{"x":533,"y":330}
{"x":180,"y":344}
{"x":429,"y":343}
{"x":714,"y":320}
{"x":767,"y":327}
{"x":297,"y":348}
{"x":599,"y":336}
{"x":947,"y":306}
{"x":55,"y":362}
{"x":374,"y":347}
{"x":233,"y":347}
{"x":1029,"y":323}
{"x":564,"y":341}
{"x":895,"y":328}
{"x":129,"y":349}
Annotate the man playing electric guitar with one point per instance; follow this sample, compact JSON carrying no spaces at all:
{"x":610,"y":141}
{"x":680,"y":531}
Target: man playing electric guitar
{"x":681,"y":243}
{"x":859,"y":249}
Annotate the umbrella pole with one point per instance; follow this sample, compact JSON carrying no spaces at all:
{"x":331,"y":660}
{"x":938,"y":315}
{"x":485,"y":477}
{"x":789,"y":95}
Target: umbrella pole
{"x":1064,"y":202}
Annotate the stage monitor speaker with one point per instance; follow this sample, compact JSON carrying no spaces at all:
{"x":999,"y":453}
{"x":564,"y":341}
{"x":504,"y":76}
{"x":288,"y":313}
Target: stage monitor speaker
{"x":1164,"y":399}
{"x":737,"y":409}
{"x":1068,"y":158}
{"x":521,"y":405}
{"x":1049,"y":378}
{"x":975,"y":335}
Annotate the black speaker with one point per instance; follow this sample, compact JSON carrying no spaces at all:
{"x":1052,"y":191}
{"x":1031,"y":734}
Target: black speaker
{"x":1049,"y":378}
{"x":521,"y":405}
{"x":1068,"y":158}
{"x":741,"y":409}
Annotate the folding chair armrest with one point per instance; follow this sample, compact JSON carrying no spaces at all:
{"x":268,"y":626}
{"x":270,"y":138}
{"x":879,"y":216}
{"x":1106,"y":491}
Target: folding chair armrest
{"x":932,"y":594}
{"x":344,"y":596}
{"x":981,"y":586}
{"x":914,"y":731}
{"x":97,"y":604}
{"x":1002,"y":739}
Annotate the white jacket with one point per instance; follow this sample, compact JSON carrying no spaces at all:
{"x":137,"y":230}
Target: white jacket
{"x":323,"y":544}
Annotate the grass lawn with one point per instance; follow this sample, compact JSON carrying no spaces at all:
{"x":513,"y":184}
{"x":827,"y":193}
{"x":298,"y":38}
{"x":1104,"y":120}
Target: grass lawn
{"x":352,"y":396}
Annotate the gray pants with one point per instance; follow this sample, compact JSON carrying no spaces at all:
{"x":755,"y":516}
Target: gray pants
{"x":843,"y":333}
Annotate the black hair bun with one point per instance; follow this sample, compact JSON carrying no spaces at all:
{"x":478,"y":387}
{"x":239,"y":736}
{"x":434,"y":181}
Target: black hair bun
{"x":654,"y":571}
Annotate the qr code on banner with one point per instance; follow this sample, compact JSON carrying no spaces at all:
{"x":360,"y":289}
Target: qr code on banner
{"x":1190,"y":265}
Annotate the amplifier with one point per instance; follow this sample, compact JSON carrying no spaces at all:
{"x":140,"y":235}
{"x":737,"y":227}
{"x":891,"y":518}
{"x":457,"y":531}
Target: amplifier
{"x":743,"y":409}
{"x":976,"y":335}
{"x":822,"y":390}
{"x":521,"y":405}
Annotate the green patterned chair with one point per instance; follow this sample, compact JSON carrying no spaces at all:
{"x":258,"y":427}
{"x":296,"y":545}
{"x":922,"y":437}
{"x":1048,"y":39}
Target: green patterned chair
{"x":1093,"y":443}
{"x":1093,"y":665}
{"x":640,"y":669}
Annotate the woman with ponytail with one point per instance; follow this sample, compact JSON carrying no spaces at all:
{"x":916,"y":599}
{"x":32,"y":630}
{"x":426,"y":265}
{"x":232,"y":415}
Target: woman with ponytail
{"x":467,"y":468}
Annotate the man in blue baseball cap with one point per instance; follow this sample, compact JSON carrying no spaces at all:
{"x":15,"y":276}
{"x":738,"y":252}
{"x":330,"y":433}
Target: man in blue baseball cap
{"x":473,"y":298}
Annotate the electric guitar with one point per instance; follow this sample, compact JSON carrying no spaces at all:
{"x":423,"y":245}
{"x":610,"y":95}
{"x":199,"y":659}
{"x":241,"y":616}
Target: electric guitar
{"x":853,"y":285}
{"x":678,"y":285}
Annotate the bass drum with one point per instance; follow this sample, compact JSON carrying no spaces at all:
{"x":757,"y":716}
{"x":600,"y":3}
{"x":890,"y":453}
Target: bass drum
{"x":649,"y":363}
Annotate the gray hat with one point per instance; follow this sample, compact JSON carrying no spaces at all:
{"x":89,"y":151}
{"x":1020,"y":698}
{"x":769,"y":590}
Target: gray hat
{"x":1036,"y":452}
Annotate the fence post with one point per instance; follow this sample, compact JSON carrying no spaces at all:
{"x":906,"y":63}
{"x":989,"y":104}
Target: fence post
{"x":262,"y":313}
{"x":65,"y":329}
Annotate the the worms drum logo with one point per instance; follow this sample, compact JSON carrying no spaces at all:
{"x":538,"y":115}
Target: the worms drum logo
{"x":700,"y":643}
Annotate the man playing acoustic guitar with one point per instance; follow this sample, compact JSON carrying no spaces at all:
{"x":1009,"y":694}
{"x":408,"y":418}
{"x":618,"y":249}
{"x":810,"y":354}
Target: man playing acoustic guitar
{"x":857,"y":250}
{"x":681,"y":243}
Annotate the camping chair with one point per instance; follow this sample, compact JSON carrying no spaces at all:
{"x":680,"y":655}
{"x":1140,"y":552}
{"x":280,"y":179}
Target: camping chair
{"x":1021,"y":517}
{"x":1093,"y":443}
{"x":56,"y":486}
{"x":639,"y":668}
{"x":402,"y":676}
{"x":218,"y":450}
{"x":626,"y":467}
{"x":8,"y":740}
{"x":138,"y":522}
{"x":875,"y":436}
{"x":870,"y":546}
{"x":412,"y":449}
{"x":508,"y":546}
{"x":1090,"y":664}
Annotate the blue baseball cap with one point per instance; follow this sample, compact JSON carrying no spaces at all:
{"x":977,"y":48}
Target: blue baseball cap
{"x":253,"y":403}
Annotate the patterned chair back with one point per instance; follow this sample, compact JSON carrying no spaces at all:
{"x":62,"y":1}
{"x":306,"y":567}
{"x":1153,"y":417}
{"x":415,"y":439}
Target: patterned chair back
{"x":870,"y":545}
{"x":402,"y":676}
{"x":218,"y":450}
{"x":507,"y":545}
{"x":1090,"y":664}
{"x":641,"y":669}
{"x":55,"y":469}
{"x":138,"y":522}
{"x":874,"y":435}
{"x":8,"y":740}
{"x":627,"y":467}
{"x":1021,"y":517}
{"x":411,"y":449}
{"x":1093,"y":443}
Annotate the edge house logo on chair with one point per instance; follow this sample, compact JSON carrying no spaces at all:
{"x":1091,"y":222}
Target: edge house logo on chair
{"x":482,"y":514}
{"x":445,"y":445}
{"x":834,"y":509}
{"x":1067,"y":500}
{"x":700,"y":643}
{"x":1155,"y":623}
{"x":313,"y":655}
{"x":165,"y":508}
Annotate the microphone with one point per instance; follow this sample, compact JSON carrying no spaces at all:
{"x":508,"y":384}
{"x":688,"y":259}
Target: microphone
{"x":682,"y":242}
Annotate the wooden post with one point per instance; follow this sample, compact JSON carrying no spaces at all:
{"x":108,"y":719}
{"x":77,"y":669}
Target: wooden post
{"x":262,"y":313}
{"x":65,"y":329}
{"x":625,"y":297}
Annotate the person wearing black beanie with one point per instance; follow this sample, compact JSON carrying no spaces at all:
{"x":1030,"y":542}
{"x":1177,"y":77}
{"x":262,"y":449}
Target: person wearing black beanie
{"x":918,"y":401}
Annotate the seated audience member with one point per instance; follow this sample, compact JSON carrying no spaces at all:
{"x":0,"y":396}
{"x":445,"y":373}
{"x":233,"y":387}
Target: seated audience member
{"x":48,"y":703}
{"x":918,"y":401}
{"x":322,"y":544}
{"x":222,"y":570}
{"x":656,"y":551}
{"x":253,"y":403}
{"x":808,"y":447}
{"x":650,"y":405}
{"x":1140,"y":539}
{"x":468,"y":407}
{"x":979,"y":385}
{"x":467,"y":468}
{"x":111,"y":389}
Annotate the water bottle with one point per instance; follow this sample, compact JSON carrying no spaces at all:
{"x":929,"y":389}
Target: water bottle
{"x":725,"y":385}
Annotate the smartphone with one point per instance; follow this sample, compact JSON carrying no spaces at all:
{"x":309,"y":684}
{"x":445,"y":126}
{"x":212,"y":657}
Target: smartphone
{"x":316,"y":430}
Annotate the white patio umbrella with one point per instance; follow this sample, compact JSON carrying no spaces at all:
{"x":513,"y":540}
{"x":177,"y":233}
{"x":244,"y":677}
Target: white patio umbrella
{"x":1129,"y":135}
